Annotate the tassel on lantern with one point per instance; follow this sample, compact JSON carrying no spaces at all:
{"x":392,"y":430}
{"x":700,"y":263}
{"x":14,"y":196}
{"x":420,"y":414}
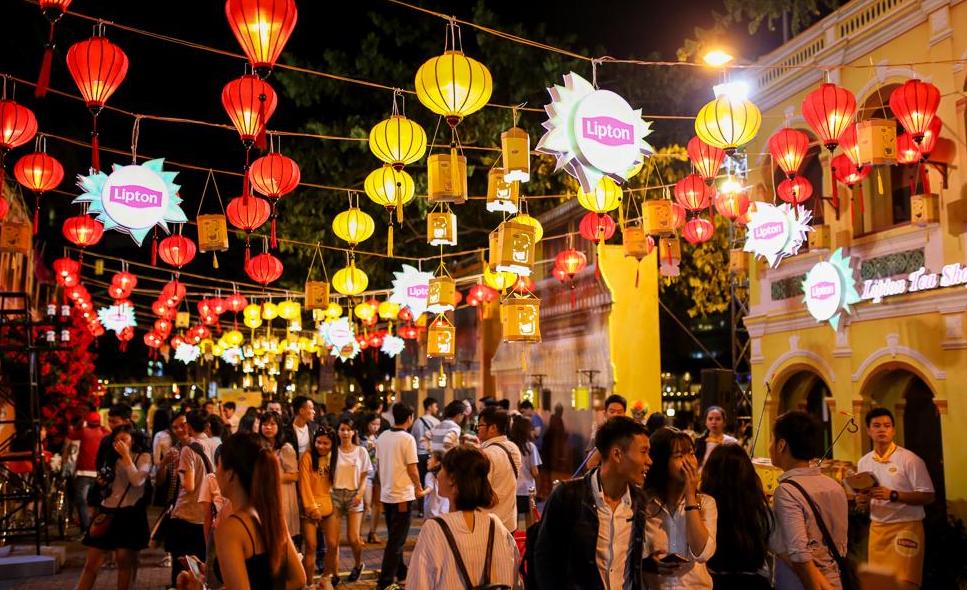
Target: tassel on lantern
{"x":95,"y":149}
{"x":36,"y":213}
{"x":637,"y":274}
{"x":260,"y":139}
{"x":154,"y":250}
{"x":879,"y":181}
{"x":621,"y":216}
{"x":274,"y":240}
{"x":248,"y":249}
{"x":43,"y":79}
{"x":924,"y":178}
{"x":523,"y":361}
{"x":214,"y":260}
{"x":389,"y":241}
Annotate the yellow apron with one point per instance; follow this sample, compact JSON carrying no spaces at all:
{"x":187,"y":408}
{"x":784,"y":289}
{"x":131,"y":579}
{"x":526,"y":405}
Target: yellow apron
{"x":899,"y":547}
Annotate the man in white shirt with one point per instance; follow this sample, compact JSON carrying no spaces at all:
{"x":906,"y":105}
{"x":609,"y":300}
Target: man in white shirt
{"x":505,"y":462}
{"x":446,"y":435}
{"x":303,"y":427}
{"x":421,"y":426}
{"x":896,"y":502}
{"x":399,"y":487}
{"x":230,"y":417}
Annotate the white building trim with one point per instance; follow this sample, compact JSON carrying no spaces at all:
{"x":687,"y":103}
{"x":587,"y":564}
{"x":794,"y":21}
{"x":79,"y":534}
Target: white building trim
{"x":892,"y":350}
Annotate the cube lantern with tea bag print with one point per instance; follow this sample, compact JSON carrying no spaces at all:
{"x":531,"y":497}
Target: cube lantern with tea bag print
{"x":657,"y":217}
{"x":212,"y":233}
{"x":520,"y":318}
{"x":515,"y":151}
{"x":441,"y":294}
{"x":514,"y":248}
{"x":317,"y":295}
{"x":636,"y":242}
{"x":501,"y":195}
{"x":441,"y":228}
{"x":441,"y":338}
{"x":446,"y":178}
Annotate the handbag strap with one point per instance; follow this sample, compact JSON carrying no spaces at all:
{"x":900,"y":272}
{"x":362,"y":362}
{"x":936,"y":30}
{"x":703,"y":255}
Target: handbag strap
{"x":827,"y":538}
{"x":461,"y":567}
{"x":510,"y":458}
{"x":128,"y":489}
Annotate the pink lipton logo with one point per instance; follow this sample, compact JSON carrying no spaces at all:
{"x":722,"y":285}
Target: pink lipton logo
{"x":418,"y":291}
{"x":769,"y":230}
{"x":607,"y":130}
{"x":135,"y":196}
{"x":823,"y":290}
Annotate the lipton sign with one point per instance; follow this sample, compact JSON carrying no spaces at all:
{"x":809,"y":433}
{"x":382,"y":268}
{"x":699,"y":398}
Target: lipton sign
{"x":830,"y":289}
{"x":776,"y":232}
{"x":133,"y":199}
{"x":593,"y":133}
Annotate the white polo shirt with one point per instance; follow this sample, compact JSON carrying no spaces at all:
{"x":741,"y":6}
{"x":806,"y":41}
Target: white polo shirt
{"x":502,"y":478}
{"x":902,"y":471}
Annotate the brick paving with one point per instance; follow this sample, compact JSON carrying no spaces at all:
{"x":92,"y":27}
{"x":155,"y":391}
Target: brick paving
{"x":151,"y":576}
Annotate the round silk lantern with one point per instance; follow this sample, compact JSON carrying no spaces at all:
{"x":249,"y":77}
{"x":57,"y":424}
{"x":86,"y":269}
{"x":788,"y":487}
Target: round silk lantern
{"x":596,"y":227}
{"x":249,"y":102}
{"x":728,"y":123}
{"x":262,"y":28}
{"x":397,"y":141}
{"x":698,"y":230}
{"x":788,"y":148}
{"x":693,"y":194}
{"x":453,"y":85}
{"x":264,"y":268}
{"x":795,"y":191}
{"x":177,"y":250}
{"x":38,"y":173}
{"x":915,"y":104}
{"x":83,"y":231}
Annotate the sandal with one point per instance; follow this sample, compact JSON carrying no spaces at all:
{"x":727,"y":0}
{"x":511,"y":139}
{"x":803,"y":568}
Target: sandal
{"x":372,"y":539}
{"x":355,"y":573}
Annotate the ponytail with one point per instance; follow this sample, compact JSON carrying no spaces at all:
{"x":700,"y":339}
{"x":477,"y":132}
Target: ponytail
{"x":266,"y":498}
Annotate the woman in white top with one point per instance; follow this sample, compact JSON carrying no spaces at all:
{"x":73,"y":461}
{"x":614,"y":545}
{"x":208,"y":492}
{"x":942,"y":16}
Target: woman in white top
{"x":522,"y":435}
{"x":273,"y":436}
{"x":714,"y":434}
{"x":452,"y":550}
{"x":122,"y":522}
{"x":348,"y":490}
{"x":680,"y":523}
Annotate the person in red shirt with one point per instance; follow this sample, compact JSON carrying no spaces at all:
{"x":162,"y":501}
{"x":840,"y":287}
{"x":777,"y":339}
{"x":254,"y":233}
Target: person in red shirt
{"x":89,"y":433}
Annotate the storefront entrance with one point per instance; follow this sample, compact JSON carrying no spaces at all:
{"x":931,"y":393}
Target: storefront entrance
{"x":805,"y":390}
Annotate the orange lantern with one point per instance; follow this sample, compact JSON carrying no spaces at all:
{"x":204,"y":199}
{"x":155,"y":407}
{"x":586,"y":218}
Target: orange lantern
{"x":678,"y":216}
{"x":707,"y":159}
{"x":692,"y":192}
{"x":274,"y":176}
{"x":249,"y":102}
{"x":262,"y":28}
{"x":39,"y":173}
{"x":788,"y":148}
{"x":83,"y":231}
{"x":571,"y":261}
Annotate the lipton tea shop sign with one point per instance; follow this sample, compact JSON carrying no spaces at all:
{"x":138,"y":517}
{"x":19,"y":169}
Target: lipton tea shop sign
{"x":950,"y":275}
{"x":830,"y":289}
{"x":593,"y":133}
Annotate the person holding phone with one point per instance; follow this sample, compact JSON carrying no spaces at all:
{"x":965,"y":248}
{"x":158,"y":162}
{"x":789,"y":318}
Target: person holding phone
{"x":680,"y":522}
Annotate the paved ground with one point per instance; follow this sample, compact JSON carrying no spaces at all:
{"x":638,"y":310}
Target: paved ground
{"x":154,"y":577}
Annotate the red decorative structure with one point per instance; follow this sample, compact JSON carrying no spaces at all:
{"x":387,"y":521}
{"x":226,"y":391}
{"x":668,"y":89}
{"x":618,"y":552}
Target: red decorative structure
{"x":274,"y":176}
{"x":262,"y":28}
{"x":698,"y":230}
{"x":39,"y":173}
{"x":596,"y":227}
{"x":53,"y":10}
{"x":705,"y":158}
{"x":98,"y":68}
{"x":83,"y":231}
{"x":693,"y":194}
{"x":264,"y":268}
{"x":249,"y":102}
{"x":177,"y":250}
{"x":788,"y":148}
{"x":795,"y":191}
{"x":914,"y":104}
{"x":731,"y":205}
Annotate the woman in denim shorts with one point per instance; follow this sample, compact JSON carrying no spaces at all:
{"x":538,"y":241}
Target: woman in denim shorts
{"x":348,"y":490}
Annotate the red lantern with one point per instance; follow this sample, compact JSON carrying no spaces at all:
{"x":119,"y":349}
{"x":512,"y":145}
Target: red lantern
{"x":376,"y":340}
{"x":39,"y":172}
{"x":693,"y":193}
{"x":176,"y":341}
{"x":96,"y":329}
{"x":200,"y":332}
{"x":524,"y":284}
{"x":678,"y":215}
{"x":160,"y":308}
{"x":52,"y":10}
{"x":914,"y":104}
{"x":795,"y":190}
{"x":248,"y":213}
{"x":236,"y":302}
{"x":65,"y":268}
{"x":173,"y":292}
{"x":153,"y":339}
{"x":907,"y":152}
{"x":264,"y":268}
{"x":481,"y":294}
{"x":829,"y":110}
{"x":698,"y":230}
{"x":262,"y":28}
{"x":177,"y":250}
{"x":274,"y":175}
{"x":205,"y":307}
{"x":125,"y":279}
{"x":409,"y":332}
{"x":706,"y":159}
{"x":77,"y":293}
{"x":405,"y":314}
{"x":125,"y":336}
{"x":571,"y":261}
{"x":559,"y":273}
{"x":118,"y":292}
{"x":847,"y":172}
{"x":98,"y":68}
{"x":162,"y":326}
{"x":850,"y":145}
{"x":83,"y":231}
{"x":595,"y":227}
{"x":930,"y":137}
{"x":4,"y":206}
{"x":18,"y":125}
{"x":249,"y":103}
{"x":788,"y":148}
{"x":218,"y":306}
{"x":732,"y":205}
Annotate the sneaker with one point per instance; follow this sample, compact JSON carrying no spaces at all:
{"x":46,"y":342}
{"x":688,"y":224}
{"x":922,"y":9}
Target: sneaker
{"x":356,"y":572}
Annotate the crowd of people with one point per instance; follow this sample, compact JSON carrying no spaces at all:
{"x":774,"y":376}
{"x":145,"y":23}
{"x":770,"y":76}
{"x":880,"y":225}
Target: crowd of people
{"x":259,"y":500}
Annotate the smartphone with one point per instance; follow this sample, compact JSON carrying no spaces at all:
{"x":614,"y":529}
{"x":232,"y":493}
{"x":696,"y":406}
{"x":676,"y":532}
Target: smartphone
{"x":673,"y":559}
{"x":193,"y":564}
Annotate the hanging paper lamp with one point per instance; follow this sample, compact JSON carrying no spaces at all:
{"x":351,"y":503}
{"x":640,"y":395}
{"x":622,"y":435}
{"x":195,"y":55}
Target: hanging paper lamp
{"x":153,"y":339}
{"x":39,"y":173}
{"x":481,"y":294}
{"x":177,"y":250}
{"x":350,"y":280}
{"x":693,"y":194}
{"x":264,"y":268}
{"x":262,"y":28}
{"x":274,"y":175}
{"x":353,"y":226}
{"x":173,"y":292}
{"x":706,"y":159}
{"x":915,"y":104}
{"x":163,"y":326}
{"x":597,"y":227}
{"x":847,"y":172}
{"x":248,"y":213}
{"x":161,"y":309}
{"x":571,"y":261}
{"x":235,"y":302}
{"x":850,"y":146}
{"x":679,"y":216}
{"x":83,"y":231}
{"x":118,"y":292}
{"x":930,"y":137}
{"x":606,"y":196}
{"x":498,"y":280}
{"x":333,"y":310}
{"x":907,"y":152}
{"x":249,"y":102}
{"x":516,"y":155}
{"x":698,"y":230}
{"x":795,"y":190}
{"x":289,"y":310}
{"x":732,"y":205}
{"x":397,"y":141}
{"x":526,"y":219}
{"x":389,"y":187}
{"x":365,"y":311}
{"x":728,"y":123}
{"x":829,"y":111}
{"x":64,"y":268}
{"x":453,"y":85}
{"x":18,"y":125}
{"x":388,"y":310}
{"x":788,"y":148}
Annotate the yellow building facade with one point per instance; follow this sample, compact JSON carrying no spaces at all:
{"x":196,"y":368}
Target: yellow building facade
{"x":907,"y":351}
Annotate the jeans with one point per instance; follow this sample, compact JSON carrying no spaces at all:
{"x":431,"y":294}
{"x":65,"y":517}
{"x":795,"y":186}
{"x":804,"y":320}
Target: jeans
{"x":82,"y":485}
{"x":398,"y":518}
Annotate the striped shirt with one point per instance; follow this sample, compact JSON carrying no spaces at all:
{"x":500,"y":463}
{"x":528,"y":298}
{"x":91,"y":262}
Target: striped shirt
{"x":444,"y":436}
{"x":432,"y":564}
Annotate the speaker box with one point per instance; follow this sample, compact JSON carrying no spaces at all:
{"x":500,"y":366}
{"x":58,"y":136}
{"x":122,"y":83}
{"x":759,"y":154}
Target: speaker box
{"x":719,"y":389}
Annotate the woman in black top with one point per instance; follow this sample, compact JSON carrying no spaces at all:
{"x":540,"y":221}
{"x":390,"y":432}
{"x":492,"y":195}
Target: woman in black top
{"x":745,"y":522}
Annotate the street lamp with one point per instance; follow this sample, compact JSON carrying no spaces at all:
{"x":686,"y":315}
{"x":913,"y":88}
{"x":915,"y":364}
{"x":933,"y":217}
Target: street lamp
{"x":717,"y":58}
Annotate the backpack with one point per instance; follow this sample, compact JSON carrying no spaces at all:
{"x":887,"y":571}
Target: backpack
{"x":462,"y":568}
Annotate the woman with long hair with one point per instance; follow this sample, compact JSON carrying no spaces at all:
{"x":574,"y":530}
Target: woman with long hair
{"x":680,"y":522}
{"x":714,"y":434}
{"x":249,"y":420}
{"x":522,"y":434}
{"x":348,"y":492}
{"x":121,"y":524}
{"x":273,"y":436}
{"x":253,"y":548}
{"x":468,"y":546}
{"x":370,"y":430}
{"x":745,"y":520}
{"x":316,"y":469}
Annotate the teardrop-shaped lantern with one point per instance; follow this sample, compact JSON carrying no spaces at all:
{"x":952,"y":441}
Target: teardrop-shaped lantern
{"x":353,"y":225}
{"x":788,"y":148}
{"x":828,"y":111}
{"x":930,"y":137}
{"x":264,"y":268}
{"x":795,"y":190}
{"x":453,"y":85}
{"x":249,"y":102}
{"x":397,"y":141}
{"x":693,"y":194}
{"x":177,"y":250}
{"x":83,"y":231}
{"x":707,"y":159}
{"x":274,"y":175}
{"x":98,"y":68}
{"x":262,"y":28}
{"x":698,"y":230}
{"x":605,"y":197}
{"x":915,"y":104}
{"x":728,"y":123}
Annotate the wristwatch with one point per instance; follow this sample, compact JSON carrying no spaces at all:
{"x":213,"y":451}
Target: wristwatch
{"x":894,"y":496}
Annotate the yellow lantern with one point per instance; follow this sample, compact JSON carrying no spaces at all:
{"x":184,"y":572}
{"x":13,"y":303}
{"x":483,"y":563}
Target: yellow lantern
{"x":233,"y":338}
{"x":657,"y":216}
{"x":533,"y":222}
{"x":353,"y":225}
{"x":499,"y":280}
{"x":513,"y":250}
{"x":441,"y":338}
{"x":388,"y":310}
{"x":289,"y":310}
{"x":365,"y":311}
{"x":333,"y":311}
{"x":515,"y":147}
{"x":441,"y":294}
{"x":269,"y":311}
{"x":350,"y":280}
{"x":317,"y":295}
{"x":446,"y":178}
{"x":218,"y":350}
{"x":252,"y":310}
{"x":441,"y":228}
{"x":728,"y":122}
{"x":502,"y":195}
{"x":389,"y":187}
{"x":520,"y":319}
{"x":253,"y":322}
{"x":453,"y":85}
{"x":606,"y":196}
{"x":397,"y":141}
